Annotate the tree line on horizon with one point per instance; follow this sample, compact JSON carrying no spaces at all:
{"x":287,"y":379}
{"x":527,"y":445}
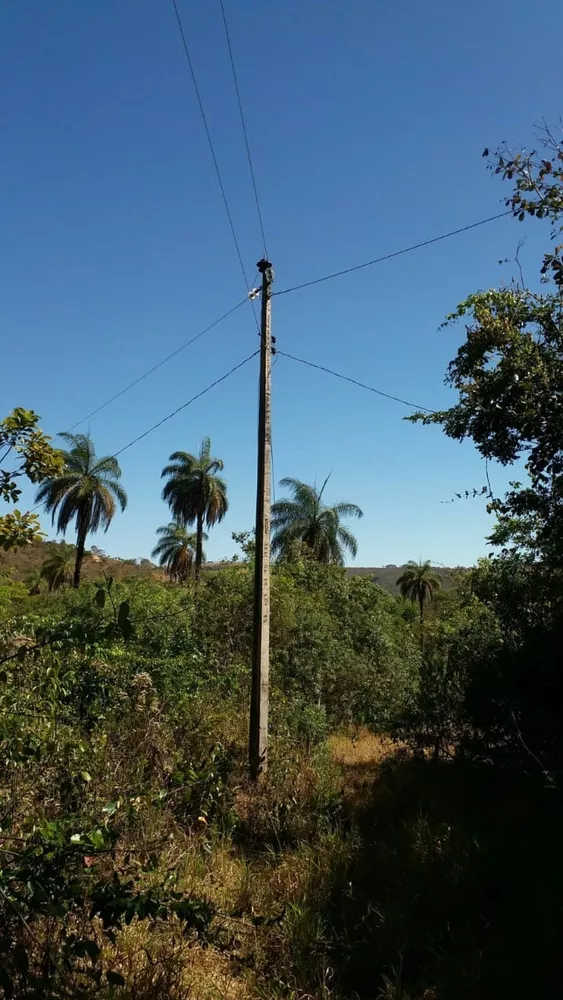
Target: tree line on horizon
{"x":88,"y":492}
{"x":85,"y":489}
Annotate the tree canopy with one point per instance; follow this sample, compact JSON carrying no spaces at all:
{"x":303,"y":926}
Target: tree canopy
{"x":307,"y":521}
{"x":87,"y":491}
{"x":194,"y":491}
{"x":31,"y":456}
{"x":418,"y":583}
{"x":176,"y":550}
{"x":508,"y":372}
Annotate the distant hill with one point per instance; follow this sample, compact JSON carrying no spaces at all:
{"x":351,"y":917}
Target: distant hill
{"x":387,"y":576}
{"x":20,"y":563}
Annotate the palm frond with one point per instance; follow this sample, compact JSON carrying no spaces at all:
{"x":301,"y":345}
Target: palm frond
{"x":108,"y":466}
{"x":322,"y":489}
{"x":87,"y":489}
{"x":296,"y":486}
{"x":176,"y":550}
{"x":418,"y":581}
{"x":119,"y":494}
{"x":205,"y":449}
{"x":192,"y":490}
{"x":284,"y":510}
{"x":344,"y":509}
{"x":306,"y":518}
{"x":348,"y":540}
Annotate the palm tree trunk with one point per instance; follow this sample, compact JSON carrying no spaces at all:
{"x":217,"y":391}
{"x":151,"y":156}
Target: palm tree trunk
{"x":80,"y":546}
{"x":421,"y":612}
{"x":198,"y":547}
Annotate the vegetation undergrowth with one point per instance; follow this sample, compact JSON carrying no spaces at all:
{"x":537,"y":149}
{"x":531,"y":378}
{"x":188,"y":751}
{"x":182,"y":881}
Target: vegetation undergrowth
{"x":375,"y":859}
{"x":137,"y":856}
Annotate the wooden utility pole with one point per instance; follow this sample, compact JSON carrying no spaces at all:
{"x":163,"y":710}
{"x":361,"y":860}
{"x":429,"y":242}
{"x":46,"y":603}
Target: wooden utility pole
{"x":258,"y":746}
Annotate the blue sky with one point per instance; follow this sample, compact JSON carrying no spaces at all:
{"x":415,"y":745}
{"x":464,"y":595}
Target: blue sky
{"x":367,"y":121}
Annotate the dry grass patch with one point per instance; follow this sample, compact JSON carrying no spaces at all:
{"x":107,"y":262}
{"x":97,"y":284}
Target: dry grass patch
{"x":157,"y":961}
{"x":362,"y":747}
{"x":266,"y":915}
{"x":359,"y":756}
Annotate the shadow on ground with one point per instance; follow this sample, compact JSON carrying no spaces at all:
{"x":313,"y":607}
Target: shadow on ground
{"x":455,"y":890}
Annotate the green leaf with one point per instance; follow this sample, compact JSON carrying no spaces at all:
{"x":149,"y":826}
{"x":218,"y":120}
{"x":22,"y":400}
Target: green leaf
{"x":96,"y":839}
{"x":127,"y":629}
{"x":100,"y":597}
{"x":115,"y":978}
{"x":123,"y":612}
{"x":123,"y":620}
{"x":86,"y":776}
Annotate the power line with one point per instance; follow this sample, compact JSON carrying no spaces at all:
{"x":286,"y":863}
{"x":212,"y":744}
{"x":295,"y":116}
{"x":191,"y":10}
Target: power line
{"x":154,"y":368}
{"x":211,"y":146}
{"x":198,"y":395}
{"x":169,"y":416}
{"x":362,"y":385}
{"x":220,"y":319}
{"x":243,"y":123}
{"x":389,"y":256}
{"x":284,"y":291}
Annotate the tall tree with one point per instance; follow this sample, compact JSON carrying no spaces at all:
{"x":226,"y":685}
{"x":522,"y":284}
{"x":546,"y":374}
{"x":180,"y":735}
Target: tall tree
{"x":306,"y":520}
{"x":508,"y":372}
{"x":418,"y":583}
{"x":30,"y":454}
{"x":57,"y":568}
{"x":195,"y":493}
{"x":176,"y":550}
{"x":87,"y":491}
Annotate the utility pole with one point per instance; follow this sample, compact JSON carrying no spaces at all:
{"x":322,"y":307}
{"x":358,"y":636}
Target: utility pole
{"x":258,"y":746}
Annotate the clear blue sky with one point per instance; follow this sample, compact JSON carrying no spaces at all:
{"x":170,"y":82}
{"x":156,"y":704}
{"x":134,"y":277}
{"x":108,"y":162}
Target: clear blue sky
{"x":367,"y":120}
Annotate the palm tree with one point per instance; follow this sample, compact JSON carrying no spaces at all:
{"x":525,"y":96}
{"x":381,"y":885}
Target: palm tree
{"x":87,"y":490}
{"x":306,"y":520}
{"x":419,"y":583}
{"x":195,"y":493}
{"x":58,"y":567}
{"x":175,"y":550}
{"x":33,"y":582}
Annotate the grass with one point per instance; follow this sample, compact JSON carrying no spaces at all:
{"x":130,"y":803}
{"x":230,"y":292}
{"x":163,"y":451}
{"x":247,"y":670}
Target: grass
{"x":359,"y":757}
{"x":453,"y":888}
{"x":268,"y":883}
{"x":356,"y":870}
{"x":270,"y":889}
